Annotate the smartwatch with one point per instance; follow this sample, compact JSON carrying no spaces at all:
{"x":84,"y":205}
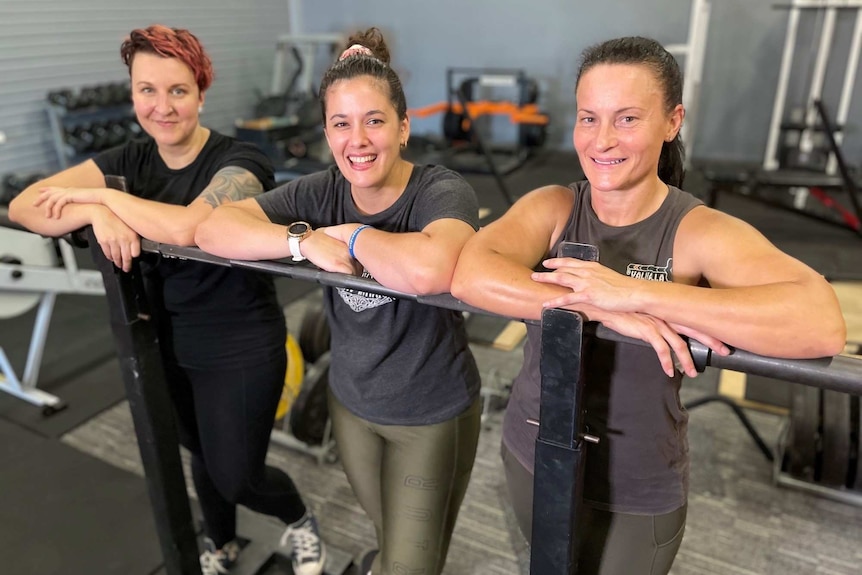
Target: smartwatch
{"x":296,"y":232}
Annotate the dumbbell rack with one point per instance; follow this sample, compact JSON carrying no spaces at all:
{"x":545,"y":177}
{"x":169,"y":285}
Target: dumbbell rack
{"x":65,"y":120}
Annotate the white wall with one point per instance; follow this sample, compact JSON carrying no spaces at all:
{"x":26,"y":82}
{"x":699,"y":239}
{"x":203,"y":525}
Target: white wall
{"x":545,"y":37}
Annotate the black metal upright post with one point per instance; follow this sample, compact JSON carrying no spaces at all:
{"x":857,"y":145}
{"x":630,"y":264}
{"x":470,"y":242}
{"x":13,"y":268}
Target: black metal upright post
{"x":152,"y":412}
{"x":560,"y":453}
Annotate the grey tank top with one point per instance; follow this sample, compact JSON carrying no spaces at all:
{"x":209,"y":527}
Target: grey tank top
{"x":641,"y":463}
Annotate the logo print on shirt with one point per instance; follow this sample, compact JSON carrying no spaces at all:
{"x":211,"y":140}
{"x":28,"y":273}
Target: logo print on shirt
{"x":651,"y":272}
{"x":363,"y":300}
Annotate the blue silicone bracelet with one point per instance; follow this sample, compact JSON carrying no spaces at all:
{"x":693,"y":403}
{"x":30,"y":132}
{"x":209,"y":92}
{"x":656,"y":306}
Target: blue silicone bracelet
{"x":352,"y":240}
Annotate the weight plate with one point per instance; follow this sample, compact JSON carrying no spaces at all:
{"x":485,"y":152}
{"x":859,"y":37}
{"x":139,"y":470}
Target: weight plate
{"x":453,"y":127}
{"x":854,"y":476}
{"x":804,"y":424}
{"x":836,"y":438}
{"x":314,"y":335}
{"x":292,"y":377}
{"x":310,"y":413}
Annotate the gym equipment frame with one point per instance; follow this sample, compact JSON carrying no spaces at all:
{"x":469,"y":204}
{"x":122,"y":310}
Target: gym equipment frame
{"x":803,"y":156}
{"x":463,"y":136}
{"x":560,"y":450}
{"x":694,"y":53}
{"x":41,"y":283}
{"x":750,"y":183}
{"x":830,"y":13}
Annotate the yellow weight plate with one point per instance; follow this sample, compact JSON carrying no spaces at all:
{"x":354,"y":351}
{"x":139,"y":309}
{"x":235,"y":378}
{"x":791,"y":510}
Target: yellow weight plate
{"x":292,"y":377}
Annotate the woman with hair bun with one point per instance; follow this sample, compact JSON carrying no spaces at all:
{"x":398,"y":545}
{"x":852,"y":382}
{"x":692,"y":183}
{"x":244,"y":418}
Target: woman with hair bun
{"x":404,"y":387}
{"x":221,"y":331}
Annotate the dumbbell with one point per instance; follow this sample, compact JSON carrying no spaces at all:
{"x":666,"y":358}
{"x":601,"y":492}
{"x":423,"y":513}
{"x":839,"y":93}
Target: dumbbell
{"x":133,"y":129}
{"x":80,"y":140}
{"x":101,"y":136}
{"x":15,"y":183}
{"x":62,"y":98}
{"x":103,"y":95}
{"x":117,"y":133}
{"x":120,"y":93}
{"x":87,"y":97}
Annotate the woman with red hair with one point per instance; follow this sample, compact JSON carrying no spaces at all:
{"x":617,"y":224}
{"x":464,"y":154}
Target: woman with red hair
{"x":221,"y":331}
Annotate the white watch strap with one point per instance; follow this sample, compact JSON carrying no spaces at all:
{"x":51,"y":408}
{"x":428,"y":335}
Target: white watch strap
{"x":293,"y":243}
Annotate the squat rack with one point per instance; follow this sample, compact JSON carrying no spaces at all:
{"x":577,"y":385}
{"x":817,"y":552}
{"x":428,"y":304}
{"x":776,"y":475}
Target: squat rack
{"x":829,"y":13}
{"x":560,"y":454}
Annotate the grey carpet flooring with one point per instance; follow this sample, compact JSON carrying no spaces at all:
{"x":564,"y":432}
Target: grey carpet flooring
{"x":739,"y":522}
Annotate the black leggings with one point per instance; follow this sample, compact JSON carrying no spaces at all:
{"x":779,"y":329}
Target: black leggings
{"x":225,"y":418}
{"x":611,"y":543}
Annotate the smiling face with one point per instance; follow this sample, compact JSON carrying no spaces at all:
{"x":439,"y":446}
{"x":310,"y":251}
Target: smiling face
{"x":166,"y":98}
{"x":621,"y":125}
{"x":364,"y":132}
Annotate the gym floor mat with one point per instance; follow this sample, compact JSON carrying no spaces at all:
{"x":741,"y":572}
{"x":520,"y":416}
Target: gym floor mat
{"x":67,"y":512}
{"x":78,"y":365}
{"x":86,"y":395}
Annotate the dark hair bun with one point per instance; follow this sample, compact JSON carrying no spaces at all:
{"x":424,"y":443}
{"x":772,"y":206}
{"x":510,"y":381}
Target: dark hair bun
{"x":373,"y":40}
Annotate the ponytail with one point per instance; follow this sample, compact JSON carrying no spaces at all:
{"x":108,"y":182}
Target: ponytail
{"x":671,"y":162}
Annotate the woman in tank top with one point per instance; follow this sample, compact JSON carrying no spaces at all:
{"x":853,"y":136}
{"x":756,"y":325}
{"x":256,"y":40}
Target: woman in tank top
{"x":660,"y":249}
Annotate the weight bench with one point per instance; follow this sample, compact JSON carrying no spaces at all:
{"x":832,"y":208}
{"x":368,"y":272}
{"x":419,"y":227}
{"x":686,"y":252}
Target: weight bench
{"x":33,"y":270}
{"x":781,"y":188}
{"x":772,"y":186}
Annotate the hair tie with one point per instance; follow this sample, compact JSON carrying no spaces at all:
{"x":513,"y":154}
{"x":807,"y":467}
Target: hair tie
{"x":355,"y":49}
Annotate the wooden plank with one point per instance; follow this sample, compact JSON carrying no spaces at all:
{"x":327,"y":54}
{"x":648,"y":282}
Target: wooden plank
{"x":850,"y":297}
{"x":732,"y":384}
{"x":511,"y":336}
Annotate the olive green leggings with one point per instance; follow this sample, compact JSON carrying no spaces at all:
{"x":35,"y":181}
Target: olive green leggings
{"x":611,"y":543}
{"x":410,"y":480}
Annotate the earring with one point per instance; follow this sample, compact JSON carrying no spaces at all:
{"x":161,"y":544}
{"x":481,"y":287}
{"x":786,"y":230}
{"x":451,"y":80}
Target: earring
{"x":200,"y":109}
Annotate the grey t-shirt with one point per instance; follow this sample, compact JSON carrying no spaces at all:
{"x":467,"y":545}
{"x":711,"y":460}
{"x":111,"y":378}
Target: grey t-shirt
{"x":640,"y":464}
{"x":394,"y":361}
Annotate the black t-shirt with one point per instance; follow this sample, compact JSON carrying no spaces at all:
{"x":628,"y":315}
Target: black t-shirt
{"x":213,"y":316}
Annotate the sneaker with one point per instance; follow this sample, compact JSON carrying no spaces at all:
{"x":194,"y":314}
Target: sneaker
{"x":307,"y":552}
{"x":218,"y":561}
{"x":367,"y":561}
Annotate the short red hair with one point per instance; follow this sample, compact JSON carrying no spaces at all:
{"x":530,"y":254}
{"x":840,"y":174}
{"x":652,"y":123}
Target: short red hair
{"x":170,"y":43}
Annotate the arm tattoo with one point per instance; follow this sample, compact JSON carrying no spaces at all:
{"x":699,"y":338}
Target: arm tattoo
{"x":231,"y":184}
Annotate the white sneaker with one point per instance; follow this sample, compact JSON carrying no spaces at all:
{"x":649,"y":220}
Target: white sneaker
{"x":307,"y":552}
{"x":218,"y":561}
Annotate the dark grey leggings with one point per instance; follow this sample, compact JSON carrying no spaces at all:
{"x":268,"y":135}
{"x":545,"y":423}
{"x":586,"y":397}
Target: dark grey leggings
{"x":611,"y":543}
{"x":410,"y":480}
